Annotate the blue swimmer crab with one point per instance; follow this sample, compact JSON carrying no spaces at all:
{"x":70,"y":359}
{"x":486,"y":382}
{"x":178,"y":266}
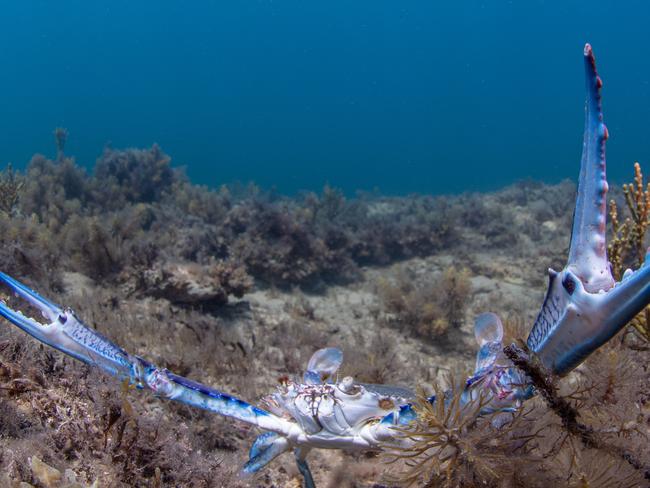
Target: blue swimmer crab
{"x":584,"y":308}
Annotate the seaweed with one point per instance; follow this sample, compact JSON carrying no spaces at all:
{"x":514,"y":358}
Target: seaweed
{"x":54,"y":191}
{"x":588,"y":431}
{"x":279,"y":246}
{"x":430,"y":310}
{"x":450,"y":444}
{"x":70,"y":418}
{"x":60,"y":138}
{"x":310,"y":241}
{"x":11,"y":185}
{"x":628,"y":245}
{"x":133,"y":176}
{"x":605,"y":439}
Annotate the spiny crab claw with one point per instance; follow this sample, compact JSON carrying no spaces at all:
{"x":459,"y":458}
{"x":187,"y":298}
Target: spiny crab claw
{"x":584,"y":307}
{"x":49,"y":310}
{"x":65,"y":332}
{"x":574,"y":322}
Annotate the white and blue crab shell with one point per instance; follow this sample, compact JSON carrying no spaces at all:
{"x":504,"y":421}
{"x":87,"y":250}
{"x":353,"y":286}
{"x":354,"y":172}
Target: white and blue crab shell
{"x":339,"y":408}
{"x":330,"y":414}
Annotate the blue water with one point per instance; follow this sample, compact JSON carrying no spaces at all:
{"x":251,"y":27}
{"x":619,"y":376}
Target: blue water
{"x":403,"y":96}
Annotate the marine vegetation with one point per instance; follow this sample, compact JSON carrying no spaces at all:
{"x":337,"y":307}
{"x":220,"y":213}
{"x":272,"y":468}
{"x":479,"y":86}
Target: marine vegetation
{"x":428,"y":310}
{"x":10,"y":187}
{"x":136,"y":211}
{"x":628,"y":245}
{"x":60,"y":137}
{"x":484,"y":430}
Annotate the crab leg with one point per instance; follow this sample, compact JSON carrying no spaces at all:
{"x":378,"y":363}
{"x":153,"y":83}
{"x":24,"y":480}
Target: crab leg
{"x":303,"y":467}
{"x":65,"y":332}
{"x":265,"y":449}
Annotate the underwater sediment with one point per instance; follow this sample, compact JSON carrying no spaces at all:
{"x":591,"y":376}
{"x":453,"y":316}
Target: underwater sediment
{"x":237,"y":287}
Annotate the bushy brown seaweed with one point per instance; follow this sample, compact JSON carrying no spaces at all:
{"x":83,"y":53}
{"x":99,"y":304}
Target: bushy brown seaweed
{"x":451,"y":444}
{"x":60,"y":138}
{"x":105,"y":435}
{"x":588,"y":431}
{"x":136,"y":209}
{"x":427,"y":310}
{"x":11,"y":185}
{"x":133,"y":176}
{"x":628,"y":244}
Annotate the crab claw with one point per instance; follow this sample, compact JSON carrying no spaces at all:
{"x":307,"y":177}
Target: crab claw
{"x":49,"y":310}
{"x":65,"y":332}
{"x":585,"y":321}
{"x":588,"y":249}
{"x":584,"y":307}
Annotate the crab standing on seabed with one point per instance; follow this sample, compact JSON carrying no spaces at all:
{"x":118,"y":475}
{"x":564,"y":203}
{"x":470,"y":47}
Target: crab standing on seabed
{"x":584,"y":307}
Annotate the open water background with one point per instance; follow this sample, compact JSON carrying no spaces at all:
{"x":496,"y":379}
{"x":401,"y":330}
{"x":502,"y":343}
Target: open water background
{"x":404,"y":96}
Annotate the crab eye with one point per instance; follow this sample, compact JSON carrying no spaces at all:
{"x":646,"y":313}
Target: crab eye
{"x":569,"y":285}
{"x":63,"y":319}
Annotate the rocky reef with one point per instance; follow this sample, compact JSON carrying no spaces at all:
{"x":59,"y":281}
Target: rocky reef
{"x":237,"y":287}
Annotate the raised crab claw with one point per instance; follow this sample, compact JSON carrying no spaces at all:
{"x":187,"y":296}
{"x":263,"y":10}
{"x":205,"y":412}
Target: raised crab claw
{"x":584,"y":307}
